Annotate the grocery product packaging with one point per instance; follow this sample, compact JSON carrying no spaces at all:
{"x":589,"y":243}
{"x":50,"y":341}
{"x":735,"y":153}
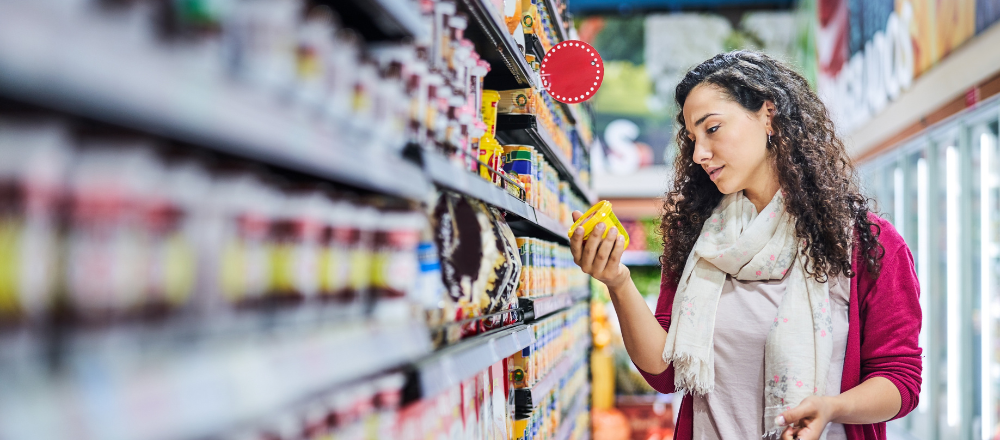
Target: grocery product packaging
{"x":517,"y":101}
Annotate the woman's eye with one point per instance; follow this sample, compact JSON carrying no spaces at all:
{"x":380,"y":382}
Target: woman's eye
{"x":713,"y":129}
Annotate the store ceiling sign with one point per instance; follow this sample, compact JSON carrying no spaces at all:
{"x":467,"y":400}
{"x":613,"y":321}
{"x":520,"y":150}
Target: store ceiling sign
{"x":859,"y":85}
{"x":870,"y":51}
{"x":572,"y":72}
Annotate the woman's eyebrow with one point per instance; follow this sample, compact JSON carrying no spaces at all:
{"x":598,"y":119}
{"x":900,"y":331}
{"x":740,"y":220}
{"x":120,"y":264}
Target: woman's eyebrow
{"x":703,"y":118}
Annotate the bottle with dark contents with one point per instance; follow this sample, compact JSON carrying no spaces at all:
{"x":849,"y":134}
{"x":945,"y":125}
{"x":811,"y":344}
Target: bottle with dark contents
{"x":178,"y":273}
{"x":34,"y":156}
{"x":334,"y":271}
{"x":297,"y":236}
{"x":347,"y":250}
{"x":261,"y":43}
{"x":394,"y":263}
{"x":394,"y":62}
{"x":171,"y":265}
{"x":361,"y":234}
{"x":113,"y":183}
{"x":416,"y":89}
{"x":341,"y":75}
{"x":315,"y":44}
{"x":243,"y":244}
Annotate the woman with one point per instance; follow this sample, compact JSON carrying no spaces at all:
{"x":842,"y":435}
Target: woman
{"x":786,"y":307}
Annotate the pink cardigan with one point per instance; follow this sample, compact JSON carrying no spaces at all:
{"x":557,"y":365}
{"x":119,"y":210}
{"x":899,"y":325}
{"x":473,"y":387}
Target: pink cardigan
{"x":881,"y":342}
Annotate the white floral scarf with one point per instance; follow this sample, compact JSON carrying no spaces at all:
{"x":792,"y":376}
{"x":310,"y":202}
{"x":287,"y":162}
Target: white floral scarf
{"x":738,"y":242}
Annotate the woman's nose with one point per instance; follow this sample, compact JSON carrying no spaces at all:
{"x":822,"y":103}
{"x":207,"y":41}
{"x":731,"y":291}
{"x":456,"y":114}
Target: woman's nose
{"x":701,"y":153}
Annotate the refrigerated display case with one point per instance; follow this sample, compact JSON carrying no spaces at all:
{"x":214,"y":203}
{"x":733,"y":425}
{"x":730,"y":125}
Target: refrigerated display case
{"x":986,"y":306}
{"x":941,"y":190}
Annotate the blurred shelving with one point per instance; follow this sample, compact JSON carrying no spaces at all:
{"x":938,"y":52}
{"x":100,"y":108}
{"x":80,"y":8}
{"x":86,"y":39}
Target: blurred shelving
{"x":181,"y":380}
{"x":379,"y":20}
{"x":143,"y":86}
{"x":528,"y":398}
{"x":640,"y":258}
{"x":495,"y":44}
{"x":557,"y":18}
{"x":540,"y":307}
{"x":580,"y":406}
{"x":452,"y":365}
{"x":195,"y":389}
{"x":447,"y":175}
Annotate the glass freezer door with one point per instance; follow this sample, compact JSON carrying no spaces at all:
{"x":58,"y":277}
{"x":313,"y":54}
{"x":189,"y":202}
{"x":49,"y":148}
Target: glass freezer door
{"x":987,"y":307}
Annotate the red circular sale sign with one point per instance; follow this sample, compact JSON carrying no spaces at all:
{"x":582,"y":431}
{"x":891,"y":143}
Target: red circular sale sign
{"x":572,"y":71}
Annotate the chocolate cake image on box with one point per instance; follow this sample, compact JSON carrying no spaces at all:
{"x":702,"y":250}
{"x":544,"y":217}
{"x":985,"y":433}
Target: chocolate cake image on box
{"x":464,"y":236}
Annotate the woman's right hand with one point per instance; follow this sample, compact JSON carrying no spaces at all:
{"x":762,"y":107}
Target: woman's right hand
{"x":600,"y":258}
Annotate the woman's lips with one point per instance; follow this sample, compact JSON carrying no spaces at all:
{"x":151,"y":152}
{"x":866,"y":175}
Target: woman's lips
{"x":713,"y":173}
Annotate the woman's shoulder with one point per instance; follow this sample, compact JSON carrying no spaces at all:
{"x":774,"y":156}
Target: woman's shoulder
{"x":896,"y":259}
{"x":888,"y":236}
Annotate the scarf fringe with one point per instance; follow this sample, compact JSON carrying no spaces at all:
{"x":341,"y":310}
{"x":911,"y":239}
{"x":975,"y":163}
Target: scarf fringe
{"x":773,"y":435}
{"x":687,"y":378}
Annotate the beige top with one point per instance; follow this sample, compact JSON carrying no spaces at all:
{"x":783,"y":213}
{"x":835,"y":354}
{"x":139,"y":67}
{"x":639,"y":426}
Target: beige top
{"x":735,"y":410}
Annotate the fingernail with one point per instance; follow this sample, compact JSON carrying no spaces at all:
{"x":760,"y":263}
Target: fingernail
{"x":780,"y":420}
{"x":621,"y":238}
{"x":578,"y":230}
{"x":600,"y":227}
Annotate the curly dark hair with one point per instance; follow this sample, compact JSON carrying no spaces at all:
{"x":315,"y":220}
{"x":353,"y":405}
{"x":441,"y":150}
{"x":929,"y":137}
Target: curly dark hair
{"x":816,"y":175}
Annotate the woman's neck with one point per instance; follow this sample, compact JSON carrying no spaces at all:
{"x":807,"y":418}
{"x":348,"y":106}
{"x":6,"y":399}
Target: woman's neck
{"x":760,"y":195}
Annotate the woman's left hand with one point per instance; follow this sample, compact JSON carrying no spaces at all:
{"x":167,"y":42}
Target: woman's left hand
{"x":807,"y":421}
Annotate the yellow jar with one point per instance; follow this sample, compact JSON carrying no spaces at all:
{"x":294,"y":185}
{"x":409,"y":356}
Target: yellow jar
{"x":597,"y":214}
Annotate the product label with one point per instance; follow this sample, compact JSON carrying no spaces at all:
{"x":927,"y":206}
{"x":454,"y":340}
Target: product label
{"x":173,"y":269}
{"x":10,"y":244}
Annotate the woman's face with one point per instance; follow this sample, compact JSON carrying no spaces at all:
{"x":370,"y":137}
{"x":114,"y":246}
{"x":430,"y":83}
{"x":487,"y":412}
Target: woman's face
{"x":730,"y":143}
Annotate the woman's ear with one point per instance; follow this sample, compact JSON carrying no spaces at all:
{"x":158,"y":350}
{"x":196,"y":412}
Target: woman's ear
{"x":766,"y":113}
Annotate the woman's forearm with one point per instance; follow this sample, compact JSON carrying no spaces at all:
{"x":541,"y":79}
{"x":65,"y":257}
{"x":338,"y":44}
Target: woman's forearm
{"x":643,"y":335}
{"x":873,"y":401}
{"x":601,"y":259}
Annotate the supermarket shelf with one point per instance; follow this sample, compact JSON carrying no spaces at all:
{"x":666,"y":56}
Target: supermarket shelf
{"x":195,"y":391}
{"x":495,"y":44}
{"x":378,"y":20}
{"x":446,"y":174}
{"x":543,"y":227}
{"x":451,"y":365}
{"x":640,"y":258}
{"x":569,"y":419}
{"x":82,"y":66}
{"x":526,"y":219}
{"x":571,"y":113}
{"x":524,"y":130}
{"x":527,"y":397}
{"x":552,"y":225}
{"x":534,"y":46}
{"x":537,"y":308}
{"x":557,"y":20}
